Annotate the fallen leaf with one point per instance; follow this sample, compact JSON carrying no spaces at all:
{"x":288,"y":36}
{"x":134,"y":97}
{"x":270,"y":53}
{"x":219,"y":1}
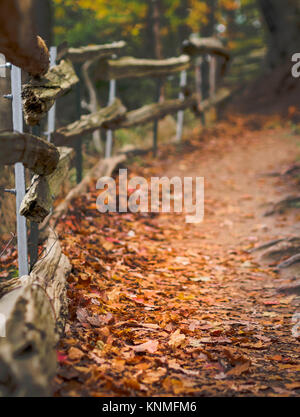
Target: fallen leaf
{"x":150,"y":377}
{"x":174,"y":365}
{"x":176,"y":339}
{"x":61,"y":357}
{"x":239,"y":369}
{"x":293,"y":385}
{"x":75,"y":354}
{"x":151,"y":346}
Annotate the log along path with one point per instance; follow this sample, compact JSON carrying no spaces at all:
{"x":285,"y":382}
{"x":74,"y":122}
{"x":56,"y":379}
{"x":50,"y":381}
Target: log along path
{"x":161,"y":307}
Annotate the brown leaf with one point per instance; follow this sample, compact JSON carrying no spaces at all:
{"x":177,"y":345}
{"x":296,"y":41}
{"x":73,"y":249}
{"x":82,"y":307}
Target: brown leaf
{"x":75,"y":354}
{"x":176,"y":339}
{"x":174,"y":365}
{"x":132,"y":383}
{"x":150,"y":376}
{"x":82,"y":315}
{"x":240,"y":368}
{"x":150,"y":346}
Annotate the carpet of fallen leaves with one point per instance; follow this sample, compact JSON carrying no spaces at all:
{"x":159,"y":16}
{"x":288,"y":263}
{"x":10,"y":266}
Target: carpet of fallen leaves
{"x":161,"y":307}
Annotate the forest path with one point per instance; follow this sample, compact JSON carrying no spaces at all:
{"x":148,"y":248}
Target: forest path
{"x":162,"y":307}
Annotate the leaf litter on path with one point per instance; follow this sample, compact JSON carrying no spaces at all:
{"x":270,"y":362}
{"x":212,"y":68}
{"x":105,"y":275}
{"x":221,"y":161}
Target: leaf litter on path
{"x":161,"y":307}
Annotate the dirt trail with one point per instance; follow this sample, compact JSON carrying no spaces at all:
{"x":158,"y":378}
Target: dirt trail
{"x":161,"y":307}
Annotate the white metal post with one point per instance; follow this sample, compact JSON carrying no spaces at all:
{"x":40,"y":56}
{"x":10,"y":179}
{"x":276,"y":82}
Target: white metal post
{"x":2,"y":66}
{"x":180,"y":115}
{"x":51,"y":113}
{"x":16,"y":90}
{"x":109,"y":135}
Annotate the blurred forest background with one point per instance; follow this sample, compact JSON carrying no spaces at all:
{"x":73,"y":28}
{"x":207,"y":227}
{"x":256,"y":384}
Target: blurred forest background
{"x":156,"y":29}
{"x":261,"y":35}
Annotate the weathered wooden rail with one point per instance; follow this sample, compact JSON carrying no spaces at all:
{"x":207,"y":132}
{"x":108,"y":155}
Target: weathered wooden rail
{"x":40,"y":94}
{"x":89,"y":123}
{"x":129,"y":67}
{"x":35,"y":306}
{"x":200,"y":46}
{"x":35,"y":153}
{"x":92,"y":52}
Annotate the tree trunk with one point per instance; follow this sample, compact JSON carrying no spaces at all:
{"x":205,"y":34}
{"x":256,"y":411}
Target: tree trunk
{"x":208,"y":31}
{"x":158,"y":53}
{"x":157,"y":42}
{"x":43,"y":19}
{"x":282,"y":20}
{"x":184,"y":29}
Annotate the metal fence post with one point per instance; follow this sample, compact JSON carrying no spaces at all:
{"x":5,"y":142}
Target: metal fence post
{"x":51,"y":113}
{"x":16,"y":89}
{"x":109,"y":135}
{"x":180,"y":115}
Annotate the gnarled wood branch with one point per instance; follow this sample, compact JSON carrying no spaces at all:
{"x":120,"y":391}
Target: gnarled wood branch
{"x":133,"y":67}
{"x":35,"y":153}
{"x":89,"y":123}
{"x":38,"y":200}
{"x":19,"y":41}
{"x":158,"y":111}
{"x":153,"y":112}
{"x":35,"y":309}
{"x":91,"y":52}
{"x":39,"y":95}
{"x":199,"y":46}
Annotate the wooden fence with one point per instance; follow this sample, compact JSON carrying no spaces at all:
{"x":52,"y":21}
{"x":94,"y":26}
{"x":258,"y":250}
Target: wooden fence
{"x":35,"y":304}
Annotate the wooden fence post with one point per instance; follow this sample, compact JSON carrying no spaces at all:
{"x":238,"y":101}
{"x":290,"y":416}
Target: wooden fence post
{"x":33,"y":245}
{"x":199,"y":86}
